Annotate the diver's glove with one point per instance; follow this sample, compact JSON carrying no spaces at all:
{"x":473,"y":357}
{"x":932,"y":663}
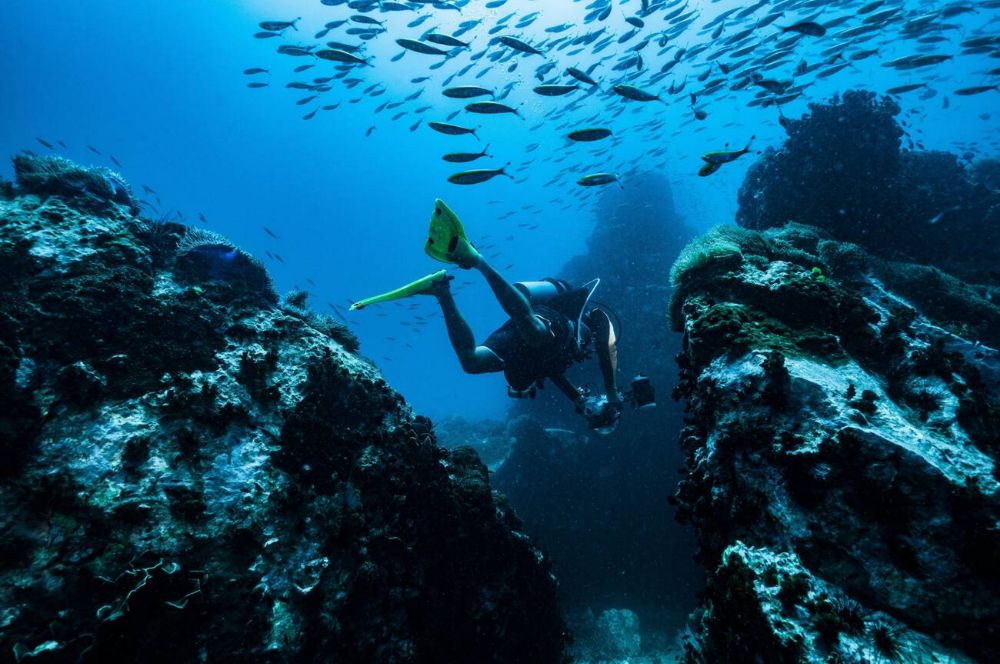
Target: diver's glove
{"x":601,"y":415}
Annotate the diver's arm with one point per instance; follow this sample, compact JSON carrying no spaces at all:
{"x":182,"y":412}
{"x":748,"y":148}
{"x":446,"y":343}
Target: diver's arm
{"x":607,"y":352}
{"x":567,"y":388}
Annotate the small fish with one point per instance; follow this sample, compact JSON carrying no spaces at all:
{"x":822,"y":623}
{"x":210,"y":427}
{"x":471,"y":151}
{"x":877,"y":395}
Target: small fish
{"x":467,"y":92}
{"x":296,"y":51}
{"x":420,"y":47}
{"x":902,"y":89}
{"x":586,"y":135}
{"x":555,"y":90}
{"x":255,"y":70}
{"x":463,"y":157}
{"x":943,"y":213}
{"x":45,"y":143}
{"x":806,"y":28}
{"x":365,"y":20}
{"x":490,"y":108}
{"x":581,"y":76}
{"x":519,"y":45}
{"x":370,"y":130}
{"x":597,"y":179}
{"x":270,"y":232}
{"x":279,"y":26}
{"x":115,"y":161}
{"x":478,"y":176}
{"x":715,"y":160}
{"x":266,"y":35}
{"x":450,"y":129}
{"x":634,"y":93}
{"x":446,"y":40}
{"x":965,"y":92}
{"x":337,"y":55}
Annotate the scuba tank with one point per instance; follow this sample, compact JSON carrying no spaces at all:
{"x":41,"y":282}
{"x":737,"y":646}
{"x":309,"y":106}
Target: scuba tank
{"x":558,"y":294}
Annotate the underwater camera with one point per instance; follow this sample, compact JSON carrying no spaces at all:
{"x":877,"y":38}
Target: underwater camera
{"x":641,"y":395}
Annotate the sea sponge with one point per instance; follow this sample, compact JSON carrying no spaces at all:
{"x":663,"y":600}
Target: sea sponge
{"x":95,"y":188}
{"x":204,"y":256}
{"x":720,"y":246}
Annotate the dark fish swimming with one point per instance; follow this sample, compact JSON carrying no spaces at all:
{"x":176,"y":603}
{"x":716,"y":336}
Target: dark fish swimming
{"x":810,"y":28}
{"x":463,"y":157}
{"x":586,"y":135}
{"x":634,"y":93}
{"x":598,"y":179}
{"x":450,"y":129}
{"x":478,"y":176}
{"x":519,"y":45}
{"x":420,"y":47}
{"x":279,"y":26}
{"x":467,"y":92}
{"x":336,"y":55}
{"x":555,"y":90}
{"x":490,"y":108}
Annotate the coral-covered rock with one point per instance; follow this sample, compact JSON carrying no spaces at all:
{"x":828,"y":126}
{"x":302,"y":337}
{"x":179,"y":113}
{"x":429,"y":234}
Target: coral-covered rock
{"x":842,"y":169}
{"x":842,"y":446}
{"x":193,"y":471}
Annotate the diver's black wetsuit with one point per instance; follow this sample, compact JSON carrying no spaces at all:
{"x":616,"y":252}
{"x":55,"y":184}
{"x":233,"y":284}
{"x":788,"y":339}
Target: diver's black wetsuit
{"x":539,"y":341}
{"x":525,"y":365}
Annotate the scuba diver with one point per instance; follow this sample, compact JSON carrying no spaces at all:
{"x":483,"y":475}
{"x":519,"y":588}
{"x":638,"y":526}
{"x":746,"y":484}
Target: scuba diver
{"x":552,"y":326}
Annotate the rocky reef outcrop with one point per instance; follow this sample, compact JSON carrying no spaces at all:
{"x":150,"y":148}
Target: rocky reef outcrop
{"x":194,"y":470}
{"x":842,"y":443}
{"x":843,"y":168}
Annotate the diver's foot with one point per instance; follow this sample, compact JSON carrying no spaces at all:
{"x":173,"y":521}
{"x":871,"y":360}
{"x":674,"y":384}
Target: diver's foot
{"x":439,"y":287}
{"x":464,"y":255}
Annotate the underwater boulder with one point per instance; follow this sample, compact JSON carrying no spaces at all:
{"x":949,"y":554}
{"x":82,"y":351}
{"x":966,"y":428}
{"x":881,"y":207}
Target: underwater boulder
{"x":195,"y":472}
{"x":93,"y":187}
{"x":842,"y":454}
{"x":842,"y":169}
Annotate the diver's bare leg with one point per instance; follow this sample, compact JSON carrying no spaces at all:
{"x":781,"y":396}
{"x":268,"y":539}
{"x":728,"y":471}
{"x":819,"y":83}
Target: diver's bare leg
{"x":474,"y":359}
{"x":514,"y":303}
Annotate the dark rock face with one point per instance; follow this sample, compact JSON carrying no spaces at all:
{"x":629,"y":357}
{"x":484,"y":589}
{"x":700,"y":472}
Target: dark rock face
{"x":842,"y":446}
{"x":192,"y":471}
{"x":842,"y":169}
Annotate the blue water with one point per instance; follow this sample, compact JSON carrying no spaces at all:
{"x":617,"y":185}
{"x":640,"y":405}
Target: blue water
{"x":160,"y":86}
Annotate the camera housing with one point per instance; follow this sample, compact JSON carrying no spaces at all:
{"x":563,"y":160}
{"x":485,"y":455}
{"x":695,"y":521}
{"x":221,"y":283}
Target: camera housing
{"x":641,"y":395}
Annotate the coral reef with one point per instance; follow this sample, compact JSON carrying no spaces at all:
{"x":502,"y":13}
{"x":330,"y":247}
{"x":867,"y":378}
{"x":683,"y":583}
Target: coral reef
{"x":842,"y":169}
{"x":195,"y":472}
{"x":842,"y":441}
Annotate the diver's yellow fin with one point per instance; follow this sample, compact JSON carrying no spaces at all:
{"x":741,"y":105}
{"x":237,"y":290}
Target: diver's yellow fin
{"x":417,"y":287}
{"x":446,"y":240}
